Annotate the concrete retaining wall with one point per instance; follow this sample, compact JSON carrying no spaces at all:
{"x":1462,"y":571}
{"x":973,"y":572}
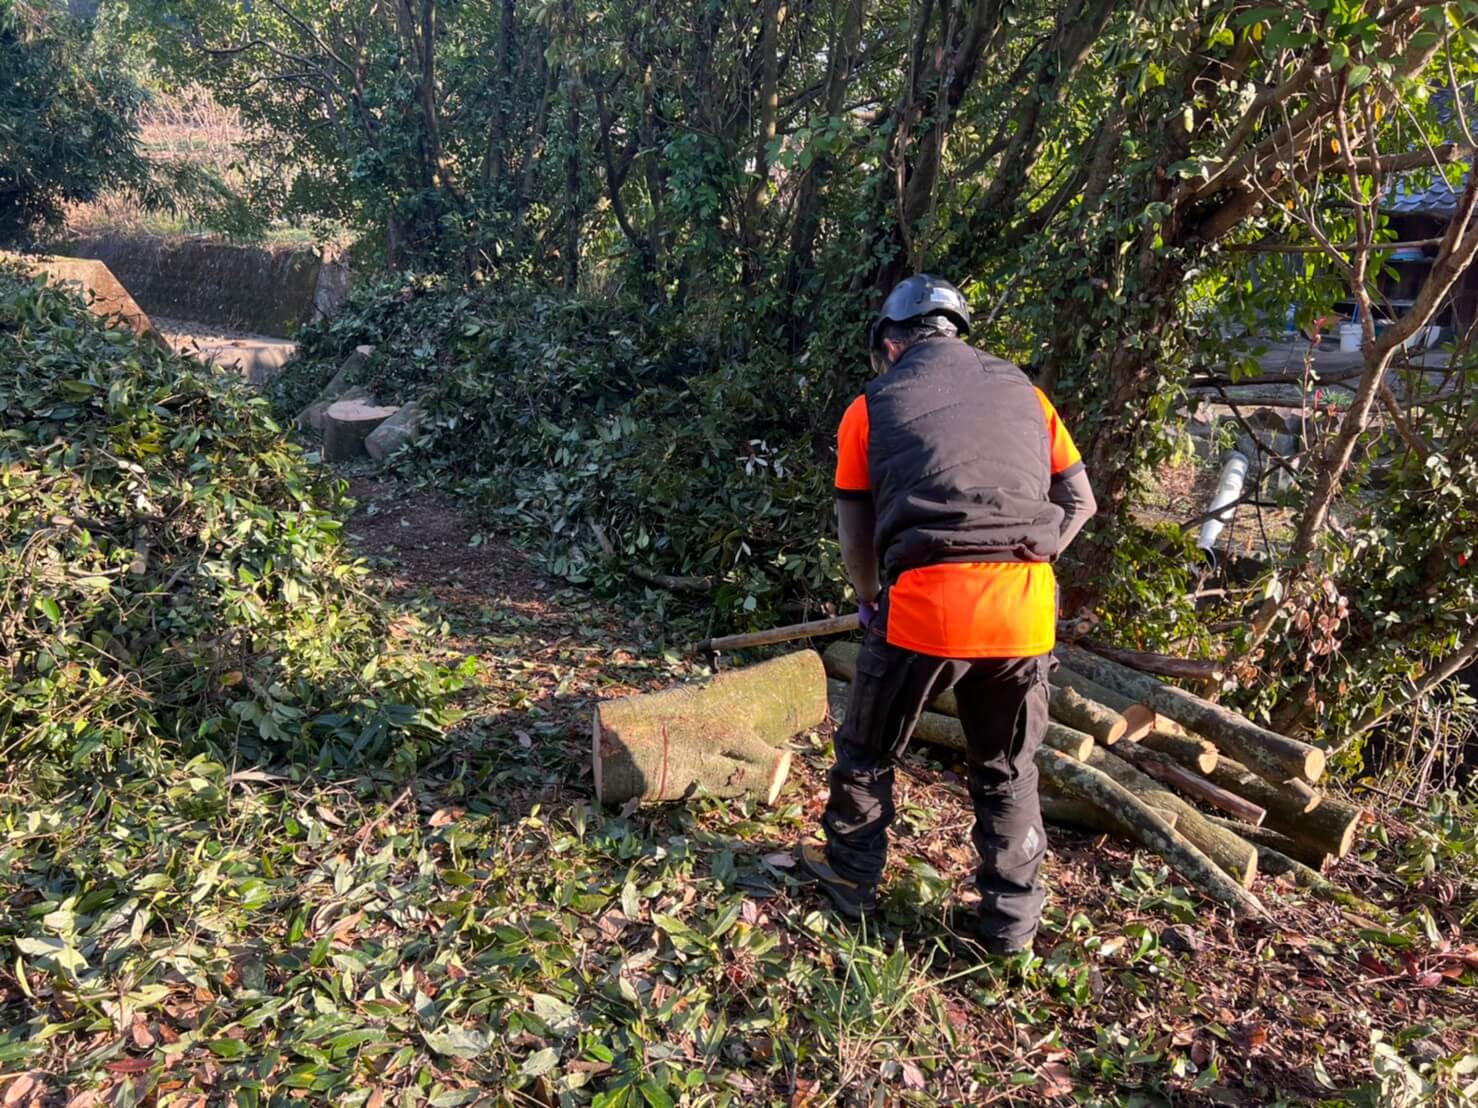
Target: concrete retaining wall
{"x":268,"y":292}
{"x":102,"y":292}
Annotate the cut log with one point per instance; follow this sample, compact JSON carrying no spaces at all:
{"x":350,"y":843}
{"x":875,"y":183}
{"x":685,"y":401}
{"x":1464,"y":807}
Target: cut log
{"x":398,"y":431}
{"x":1330,"y":827}
{"x":1069,"y":710}
{"x":1193,"y":784}
{"x":1262,"y":836}
{"x":1162,"y":665}
{"x":1191,"y":752}
{"x":1293,"y":808}
{"x":1074,"y":811}
{"x":1068,"y":678}
{"x":1287,"y":802}
{"x":1102,"y":722}
{"x":346,"y":424}
{"x":938,"y":729}
{"x":1271,"y":755}
{"x":1333,"y":826}
{"x":659,"y":746}
{"x":1138,"y":715}
{"x":1233,"y":854}
{"x":1077,"y":779}
{"x":652,"y":771}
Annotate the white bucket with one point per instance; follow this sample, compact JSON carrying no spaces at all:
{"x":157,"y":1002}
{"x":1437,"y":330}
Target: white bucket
{"x":1349,"y":338}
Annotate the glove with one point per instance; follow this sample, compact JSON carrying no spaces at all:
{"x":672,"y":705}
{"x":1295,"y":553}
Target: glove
{"x":866,"y":613}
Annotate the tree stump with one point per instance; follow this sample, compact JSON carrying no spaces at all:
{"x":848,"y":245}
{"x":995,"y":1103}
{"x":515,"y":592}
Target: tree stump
{"x":346,"y":424}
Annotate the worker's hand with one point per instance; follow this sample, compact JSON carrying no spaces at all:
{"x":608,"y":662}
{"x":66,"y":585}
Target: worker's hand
{"x":866,"y":613}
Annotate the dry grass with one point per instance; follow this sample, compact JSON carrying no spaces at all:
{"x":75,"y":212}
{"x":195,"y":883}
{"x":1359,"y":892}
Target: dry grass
{"x":187,"y":126}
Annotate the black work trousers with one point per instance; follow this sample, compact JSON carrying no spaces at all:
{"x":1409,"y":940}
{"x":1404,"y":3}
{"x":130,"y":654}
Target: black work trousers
{"x":1003,"y":709}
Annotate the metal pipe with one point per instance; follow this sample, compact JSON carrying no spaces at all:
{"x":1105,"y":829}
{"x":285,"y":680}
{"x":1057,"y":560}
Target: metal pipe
{"x":1228,"y":490}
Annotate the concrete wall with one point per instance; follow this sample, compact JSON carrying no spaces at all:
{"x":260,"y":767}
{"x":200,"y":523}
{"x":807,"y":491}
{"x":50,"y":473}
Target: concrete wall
{"x":102,"y":292}
{"x":269,"y":292}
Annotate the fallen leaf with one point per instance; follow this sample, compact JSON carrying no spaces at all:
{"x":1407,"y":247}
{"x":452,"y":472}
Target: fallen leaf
{"x":129,"y":1065}
{"x":612,"y":924}
{"x":805,"y":1090}
{"x":913,"y":1077}
{"x":19,"y":1089}
{"x":1056,"y":1079}
{"x":781,"y":859}
{"x":444,"y":817}
{"x":139,"y":1032}
{"x":580,"y":1065}
{"x":458,"y":1042}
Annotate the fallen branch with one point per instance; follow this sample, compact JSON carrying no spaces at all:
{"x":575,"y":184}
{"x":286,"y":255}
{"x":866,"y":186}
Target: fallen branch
{"x":1171,"y":772}
{"x":816,"y":628}
{"x":661,"y":580}
{"x":1162,"y":665}
{"x":1275,"y":863}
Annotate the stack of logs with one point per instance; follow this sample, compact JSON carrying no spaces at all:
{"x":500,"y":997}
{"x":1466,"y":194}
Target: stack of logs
{"x":1125,"y":749}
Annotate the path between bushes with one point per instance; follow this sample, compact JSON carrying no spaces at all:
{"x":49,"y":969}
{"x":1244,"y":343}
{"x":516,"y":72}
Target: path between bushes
{"x":675,"y":939}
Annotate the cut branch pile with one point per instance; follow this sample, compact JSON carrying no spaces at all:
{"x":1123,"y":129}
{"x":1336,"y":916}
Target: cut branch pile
{"x":1127,"y":754}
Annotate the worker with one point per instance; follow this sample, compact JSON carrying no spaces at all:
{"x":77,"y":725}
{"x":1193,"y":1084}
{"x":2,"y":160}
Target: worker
{"x":957,"y":487}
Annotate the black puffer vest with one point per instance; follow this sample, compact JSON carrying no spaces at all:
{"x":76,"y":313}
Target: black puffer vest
{"x":959,"y":459}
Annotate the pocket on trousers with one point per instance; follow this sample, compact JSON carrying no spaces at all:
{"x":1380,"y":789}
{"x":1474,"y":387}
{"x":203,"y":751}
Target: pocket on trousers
{"x":867,"y":704}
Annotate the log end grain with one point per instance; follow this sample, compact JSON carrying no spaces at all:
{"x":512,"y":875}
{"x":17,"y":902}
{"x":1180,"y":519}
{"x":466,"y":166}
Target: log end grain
{"x":1138,"y":721}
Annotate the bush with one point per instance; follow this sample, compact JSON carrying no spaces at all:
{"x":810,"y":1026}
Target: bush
{"x":567,"y":416}
{"x":170,"y":573}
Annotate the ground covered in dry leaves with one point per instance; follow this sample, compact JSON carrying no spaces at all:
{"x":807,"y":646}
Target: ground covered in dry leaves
{"x":482,"y":933}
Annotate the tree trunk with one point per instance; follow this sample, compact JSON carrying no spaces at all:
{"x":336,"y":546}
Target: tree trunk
{"x":659,"y":746}
{"x":1273,"y":756}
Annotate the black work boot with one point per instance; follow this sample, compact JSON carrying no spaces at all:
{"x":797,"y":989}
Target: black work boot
{"x":848,"y":897}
